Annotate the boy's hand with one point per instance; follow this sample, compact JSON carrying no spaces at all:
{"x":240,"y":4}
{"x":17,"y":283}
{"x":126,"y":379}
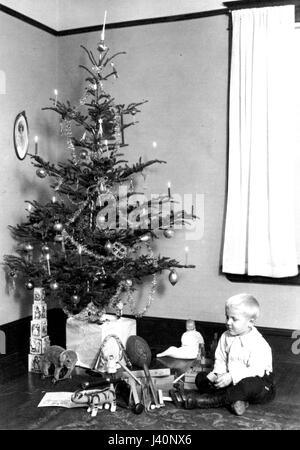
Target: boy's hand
{"x":223,"y":380}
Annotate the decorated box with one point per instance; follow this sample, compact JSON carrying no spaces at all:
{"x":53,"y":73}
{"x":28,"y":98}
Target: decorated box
{"x":39,"y":340}
{"x":39,"y":310}
{"x":39,"y":346}
{"x":38,"y":294}
{"x":34,"y":363}
{"x":38,"y":328}
{"x":86,"y":338}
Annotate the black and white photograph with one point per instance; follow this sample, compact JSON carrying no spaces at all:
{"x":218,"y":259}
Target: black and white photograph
{"x":150,"y":224}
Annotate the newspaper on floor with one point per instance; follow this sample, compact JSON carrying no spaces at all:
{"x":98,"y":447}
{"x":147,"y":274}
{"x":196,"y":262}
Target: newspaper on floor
{"x":62,"y":399}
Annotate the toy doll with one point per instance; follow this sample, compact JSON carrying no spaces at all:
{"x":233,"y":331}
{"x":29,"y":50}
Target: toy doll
{"x":190,"y":341}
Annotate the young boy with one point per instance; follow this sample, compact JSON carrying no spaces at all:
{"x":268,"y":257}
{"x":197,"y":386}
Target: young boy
{"x":243,"y":363}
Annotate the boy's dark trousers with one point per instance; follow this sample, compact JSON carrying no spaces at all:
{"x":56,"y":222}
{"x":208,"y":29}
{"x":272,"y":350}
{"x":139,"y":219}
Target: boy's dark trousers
{"x":251,"y":389}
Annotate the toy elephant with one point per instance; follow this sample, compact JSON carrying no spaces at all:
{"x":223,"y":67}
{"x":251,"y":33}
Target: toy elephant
{"x":60,"y":358}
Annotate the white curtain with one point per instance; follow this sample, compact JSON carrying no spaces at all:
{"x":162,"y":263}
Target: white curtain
{"x":260,"y":220}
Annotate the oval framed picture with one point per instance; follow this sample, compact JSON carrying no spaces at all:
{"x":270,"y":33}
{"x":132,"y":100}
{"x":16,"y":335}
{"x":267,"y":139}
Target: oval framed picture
{"x":21,"y":135}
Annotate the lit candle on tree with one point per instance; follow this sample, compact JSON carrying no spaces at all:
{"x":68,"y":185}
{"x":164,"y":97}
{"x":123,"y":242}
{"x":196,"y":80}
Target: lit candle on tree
{"x":100,"y":130}
{"x":171,"y":206}
{"x":80,"y":255}
{"x":48,"y":263}
{"x":186,"y":251}
{"x":55,"y":93}
{"x":53,"y":199}
{"x":36,"y":139}
{"x":169,"y":189}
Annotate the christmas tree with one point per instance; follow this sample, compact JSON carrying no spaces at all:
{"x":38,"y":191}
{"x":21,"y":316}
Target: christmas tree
{"x":90,"y":245}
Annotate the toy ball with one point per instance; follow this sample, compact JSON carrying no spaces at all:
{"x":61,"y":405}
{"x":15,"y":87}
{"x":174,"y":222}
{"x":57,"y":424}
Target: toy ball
{"x":138,"y":351}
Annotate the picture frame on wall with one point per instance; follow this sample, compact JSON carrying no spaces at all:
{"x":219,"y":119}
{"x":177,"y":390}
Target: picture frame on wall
{"x":21,"y":135}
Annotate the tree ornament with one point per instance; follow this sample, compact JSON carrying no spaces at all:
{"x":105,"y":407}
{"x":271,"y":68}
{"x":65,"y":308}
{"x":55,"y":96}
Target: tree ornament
{"x":84,"y":154}
{"x":54,"y":285}
{"x":128,"y":282}
{"x":119,"y":250}
{"x":173,"y":277}
{"x":86,"y":170}
{"x":108,"y":246}
{"x":57,"y":226}
{"x":29,"y":285}
{"x":75,"y":299}
{"x":101,"y":47}
{"x":45,"y":249}
{"x":28,"y":247}
{"x":100,"y":220}
{"x":100,"y":274}
{"x":145,"y":237}
{"x":41,"y":173}
{"x":169,"y":233}
{"x":102,"y":188}
{"x":59,"y":238}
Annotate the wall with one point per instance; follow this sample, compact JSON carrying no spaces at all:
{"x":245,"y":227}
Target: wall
{"x":69,"y":14}
{"x":29,"y":61}
{"x":126,"y":10}
{"x":45,"y":12}
{"x":181,"y":68}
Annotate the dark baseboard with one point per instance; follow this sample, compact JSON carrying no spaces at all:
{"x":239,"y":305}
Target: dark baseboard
{"x":17,"y":333}
{"x":158,"y":332}
{"x":168,"y":332}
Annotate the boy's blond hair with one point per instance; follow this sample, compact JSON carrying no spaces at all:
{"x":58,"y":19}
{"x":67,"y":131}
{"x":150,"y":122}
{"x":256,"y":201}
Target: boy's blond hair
{"x":246,"y":302}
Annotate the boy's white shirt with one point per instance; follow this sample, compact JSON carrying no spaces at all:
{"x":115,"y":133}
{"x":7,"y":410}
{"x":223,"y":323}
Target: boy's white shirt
{"x":243,"y":356}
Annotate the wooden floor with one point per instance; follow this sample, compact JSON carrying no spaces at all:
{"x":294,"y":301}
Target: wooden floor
{"x":21,"y":392}
{"x":20,"y":396}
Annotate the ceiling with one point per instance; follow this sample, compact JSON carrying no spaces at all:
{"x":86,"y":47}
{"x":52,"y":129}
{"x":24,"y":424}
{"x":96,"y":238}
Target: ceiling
{"x":69,"y":14}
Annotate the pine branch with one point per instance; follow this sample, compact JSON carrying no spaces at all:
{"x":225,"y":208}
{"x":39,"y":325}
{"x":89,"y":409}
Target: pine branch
{"x":104,"y":63}
{"x":124,"y":173}
{"x":90,"y":55}
{"x":90,"y":72}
